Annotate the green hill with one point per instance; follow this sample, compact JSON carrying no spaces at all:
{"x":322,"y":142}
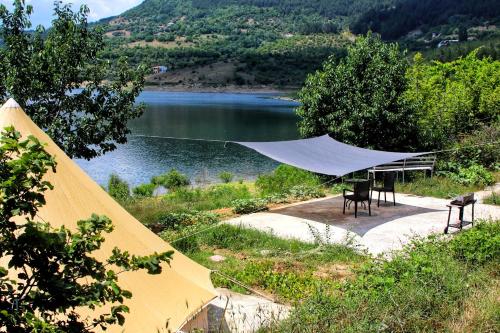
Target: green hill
{"x":265,"y":42}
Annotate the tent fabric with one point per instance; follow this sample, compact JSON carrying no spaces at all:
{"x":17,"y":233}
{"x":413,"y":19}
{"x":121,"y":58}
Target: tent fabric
{"x":325,"y":155}
{"x":167,"y":299}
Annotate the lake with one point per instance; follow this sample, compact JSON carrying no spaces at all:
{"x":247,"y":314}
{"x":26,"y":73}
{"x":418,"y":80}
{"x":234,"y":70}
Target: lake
{"x":211,"y":116}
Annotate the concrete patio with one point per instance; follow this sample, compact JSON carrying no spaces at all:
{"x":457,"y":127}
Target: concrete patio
{"x":388,"y":229}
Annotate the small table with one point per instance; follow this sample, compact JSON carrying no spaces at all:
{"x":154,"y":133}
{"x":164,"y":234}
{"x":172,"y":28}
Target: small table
{"x":460,"y":203}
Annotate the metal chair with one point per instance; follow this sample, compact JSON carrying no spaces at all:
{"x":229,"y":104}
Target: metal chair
{"x":388,"y":186}
{"x":360,"y":193}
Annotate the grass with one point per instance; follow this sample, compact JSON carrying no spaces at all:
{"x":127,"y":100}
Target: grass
{"x":434,"y":285}
{"x":288,"y":270}
{"x":149,"y":210}
{"x":493,"y":199}
{"x":438,"y":187}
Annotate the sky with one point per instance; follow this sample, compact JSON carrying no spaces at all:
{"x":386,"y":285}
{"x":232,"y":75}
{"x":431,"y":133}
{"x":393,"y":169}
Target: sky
{"x":43,"y":9}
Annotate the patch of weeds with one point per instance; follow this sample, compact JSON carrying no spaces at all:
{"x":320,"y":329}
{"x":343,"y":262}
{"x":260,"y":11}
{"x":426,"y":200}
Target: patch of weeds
{"x":438,"y":186}
{"x":493,"y":199}
{"x":248,"y":206}
{"x":304,"y":192}
{"x":284,"y":178}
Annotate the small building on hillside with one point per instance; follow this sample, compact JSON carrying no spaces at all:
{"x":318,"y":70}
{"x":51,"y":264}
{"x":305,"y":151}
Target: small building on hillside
{"x":160,"y":69}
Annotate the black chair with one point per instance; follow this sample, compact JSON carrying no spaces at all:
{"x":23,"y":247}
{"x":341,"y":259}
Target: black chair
{"x":388,"y":186}
{"x":361,"y":193}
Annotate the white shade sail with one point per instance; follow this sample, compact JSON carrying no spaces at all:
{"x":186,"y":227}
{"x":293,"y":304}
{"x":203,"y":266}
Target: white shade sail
{"x":325,"y":155}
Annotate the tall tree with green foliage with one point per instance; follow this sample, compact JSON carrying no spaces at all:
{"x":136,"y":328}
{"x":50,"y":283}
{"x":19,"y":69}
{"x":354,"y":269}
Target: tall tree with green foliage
{"x":453,"y":98}
{"x":58,"y":77}
{"x":47,"y":275}
{"x":359,"y":100}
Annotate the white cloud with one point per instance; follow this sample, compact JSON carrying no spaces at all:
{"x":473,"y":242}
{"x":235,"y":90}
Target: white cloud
{"x":98,"y":8}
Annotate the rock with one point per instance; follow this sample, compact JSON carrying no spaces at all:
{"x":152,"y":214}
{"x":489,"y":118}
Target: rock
{"x":265,"y":253}
{"x":217,"y":258}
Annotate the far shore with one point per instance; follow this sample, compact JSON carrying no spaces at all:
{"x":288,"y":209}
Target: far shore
{"x":227,"y":89}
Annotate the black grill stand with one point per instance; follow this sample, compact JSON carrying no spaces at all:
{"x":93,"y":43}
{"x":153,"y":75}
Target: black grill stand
{"x":460,"y":204}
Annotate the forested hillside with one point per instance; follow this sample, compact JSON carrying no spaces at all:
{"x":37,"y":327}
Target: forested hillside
{"x":398,"y":20}
{"x":278,"y":42}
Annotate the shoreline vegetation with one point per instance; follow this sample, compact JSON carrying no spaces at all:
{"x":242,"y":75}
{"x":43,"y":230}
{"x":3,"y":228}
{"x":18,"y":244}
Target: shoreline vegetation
{"x":226,"y":89}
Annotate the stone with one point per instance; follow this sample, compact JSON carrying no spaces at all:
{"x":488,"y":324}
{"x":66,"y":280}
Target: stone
{"x":217,"y":258}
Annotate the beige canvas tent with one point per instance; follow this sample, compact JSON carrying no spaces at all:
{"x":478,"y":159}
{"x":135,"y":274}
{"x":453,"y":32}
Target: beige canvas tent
{"x":171,"y":298}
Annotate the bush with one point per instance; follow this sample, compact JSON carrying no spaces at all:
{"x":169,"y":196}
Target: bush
{"x":478,"y":245}
{"x":174,"y":221}
{"x":172,"y":180}
{"x":278,"y":198}
{"x":247,"y":206}
{"x":473,"y":175}
{"x":118,"y":188}
{"x":301,"y":192}
{"x":144,"y":190}
{"x":454,"y":98}
{"x":471,"y":149}
{"x":284,"y":178}
{"x":226,"y":177}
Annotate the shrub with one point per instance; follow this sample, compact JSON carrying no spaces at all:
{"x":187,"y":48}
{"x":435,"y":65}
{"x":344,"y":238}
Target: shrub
{"x":226,"y":177}
{"x":175,"y":221}
{"x":479,"y":244}
{"x":118,"y":188}
{"x":278,"y":198}
{"x":144,"y":190}
{"x":454,"y":98}
{"x":473,"y":175}
{"x":172,"y":180}
{"x":247,"y":206}
{"x":302,"y":192}
{"x":471,"y":149}
{"x":284,"y":178}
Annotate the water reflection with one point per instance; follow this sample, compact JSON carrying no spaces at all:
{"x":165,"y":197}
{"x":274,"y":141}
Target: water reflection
{"x":239,"y":117}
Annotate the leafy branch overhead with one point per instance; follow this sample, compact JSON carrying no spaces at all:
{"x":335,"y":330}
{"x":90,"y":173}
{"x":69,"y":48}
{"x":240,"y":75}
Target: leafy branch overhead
{"x":82,"y":101}
{"x":50,"y":273}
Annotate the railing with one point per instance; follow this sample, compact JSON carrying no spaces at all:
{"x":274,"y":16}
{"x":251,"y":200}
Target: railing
{"x":419,"y":163}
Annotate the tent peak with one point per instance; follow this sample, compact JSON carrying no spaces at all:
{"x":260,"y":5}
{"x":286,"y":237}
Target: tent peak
{"x":11,"y":104}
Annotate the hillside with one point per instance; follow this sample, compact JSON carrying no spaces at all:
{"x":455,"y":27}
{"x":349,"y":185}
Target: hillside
{"x":244,"y":43}
{"x":276,"y":43}
{"x":428,"y":25}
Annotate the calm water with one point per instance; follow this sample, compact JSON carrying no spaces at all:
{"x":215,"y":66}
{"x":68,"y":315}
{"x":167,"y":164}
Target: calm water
{"x":216,"y":116}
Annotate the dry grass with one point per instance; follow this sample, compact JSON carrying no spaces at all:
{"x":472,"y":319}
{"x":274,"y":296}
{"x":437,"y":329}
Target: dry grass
{"x":179,"y":42}
{"x":481,"y":312}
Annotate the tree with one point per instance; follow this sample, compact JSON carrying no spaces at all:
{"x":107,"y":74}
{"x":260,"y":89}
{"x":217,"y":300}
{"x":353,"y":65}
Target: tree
{"x":453,"y":98}
{"x":360,"y":99}
{"x":462,"y":33}
{"x":58,"y":77}
{"x":46,"y":273}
